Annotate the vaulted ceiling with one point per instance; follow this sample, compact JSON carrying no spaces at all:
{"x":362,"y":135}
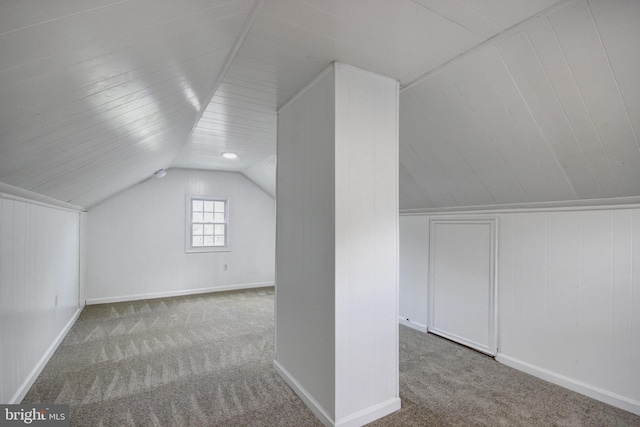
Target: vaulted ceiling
{"x":549,"y":111}
{"x":503,"y":101}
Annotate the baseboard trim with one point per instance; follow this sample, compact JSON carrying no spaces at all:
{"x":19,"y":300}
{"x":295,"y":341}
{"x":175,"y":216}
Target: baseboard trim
{"x":33,"y":375}
{"x":413,"y":325}
{"x":302,"y":393}
{"x":354,"y":420}
{"x":153,"y":295}
{"x":371,"y":414}
{"x":589,"y":390}
{"x":464,"y":341}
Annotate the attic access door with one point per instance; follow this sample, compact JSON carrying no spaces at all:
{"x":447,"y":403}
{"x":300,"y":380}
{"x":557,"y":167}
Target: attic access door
{"x":462,"y":286}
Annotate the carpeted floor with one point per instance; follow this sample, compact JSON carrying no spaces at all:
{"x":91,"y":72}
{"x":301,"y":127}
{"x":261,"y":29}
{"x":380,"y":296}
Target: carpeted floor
{"x":206,"y":360}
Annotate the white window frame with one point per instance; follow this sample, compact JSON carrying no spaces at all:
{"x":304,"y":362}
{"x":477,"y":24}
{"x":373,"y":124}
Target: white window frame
{"x":189,"y":225}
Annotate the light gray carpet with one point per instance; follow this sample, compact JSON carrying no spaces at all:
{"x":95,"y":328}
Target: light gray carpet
{"x":206,"y":360}
{"x":185,"y":361}
{"x":446,"y":384}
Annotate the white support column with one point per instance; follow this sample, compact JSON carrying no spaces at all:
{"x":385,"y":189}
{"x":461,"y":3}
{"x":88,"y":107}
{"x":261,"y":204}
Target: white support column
{"x":336,"y":249}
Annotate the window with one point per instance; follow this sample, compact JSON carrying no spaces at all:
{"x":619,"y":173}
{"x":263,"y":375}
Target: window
{"x":207,"y":224}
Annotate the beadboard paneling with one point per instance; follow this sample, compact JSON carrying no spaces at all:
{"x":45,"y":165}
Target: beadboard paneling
{"x":291,"y":41}
{"x":544,"y":112}
{"x":97,"y":96}
{"x":414,"y":267}
{"x":264,"y":175}
{"x":240,"y":118}
{"x":568,"y":297}
{"x":39,"y":288}
{"x":106,"y":88}
{"x":305,"y":261}
{"x":136,"y":239}
{"x":337,"y":225}
{"x":566,"y":303}
{"x":366,"y":244}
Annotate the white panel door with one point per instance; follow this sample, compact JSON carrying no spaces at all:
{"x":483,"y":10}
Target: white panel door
{"x":462,"y":286}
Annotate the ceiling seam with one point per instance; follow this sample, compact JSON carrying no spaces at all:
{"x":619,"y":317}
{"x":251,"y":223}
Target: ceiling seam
{"x":536,"y":122}
{"x":584,"y":103}
{"x":613,"y":73}
{"x":79,"y":12}
{"x":225,"y":68}
{"x":143,"y":28}
{"x":570,"y":125}
{"x":451,"y":21}
{"x":551,"y":9}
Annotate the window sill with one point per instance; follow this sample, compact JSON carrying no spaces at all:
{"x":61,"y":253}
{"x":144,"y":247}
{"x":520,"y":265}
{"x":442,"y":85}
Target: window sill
{"x":207,"y":250}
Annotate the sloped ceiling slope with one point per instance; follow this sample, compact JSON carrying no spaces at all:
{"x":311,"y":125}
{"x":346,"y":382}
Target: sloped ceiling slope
{"x":548,"y":112}
{"x":98,"y":94}
{"x":263,"y":174}
{"x":240,"y":118}
{"x":291,"y":41}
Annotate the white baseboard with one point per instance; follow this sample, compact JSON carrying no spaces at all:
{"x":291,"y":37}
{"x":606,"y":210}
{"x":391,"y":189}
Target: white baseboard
{"x":354,"y":420}
{"x":136,"y":297}
{"x":597,"y":393}
{"x":302,"y":393}
{"x":413,"y":325}
{"x":370,"y":414}
{"x":33,"y":375}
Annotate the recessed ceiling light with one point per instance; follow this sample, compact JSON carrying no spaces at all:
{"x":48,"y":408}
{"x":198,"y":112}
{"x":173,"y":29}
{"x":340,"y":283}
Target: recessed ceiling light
{"x":160,"y":173}
{"x":230,"y":155}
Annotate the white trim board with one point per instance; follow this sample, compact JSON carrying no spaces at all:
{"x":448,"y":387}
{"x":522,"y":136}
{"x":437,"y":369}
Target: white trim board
{"x":413,"y":325}
{"x":491,"y":346}
{"x":154,"y":295}
{"x":21,"y":195}
{"x":371,"y":414}
{"x":246,"y":28}
{"x":354,"y":420}
{"x":505,"y":33}
{"x":33,"y":375}
{"x":305,"y":88}
{"x":605,"y":396}
{"x":631,"y":202}
{"x":303,"y":394}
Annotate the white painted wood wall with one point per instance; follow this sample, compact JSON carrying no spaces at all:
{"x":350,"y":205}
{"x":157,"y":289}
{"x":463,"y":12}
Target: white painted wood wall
{"x":263,"y":174}
{"x":366,"y":246}
{"x":414,"y":271}
{"x":39,"y":288}
{"x":462,"y":281}
{"x":336,"y":257}
{"x":568,"y":296}
{"x":137,"y":239}
{"x":548,"y":111}
{"x":305,"y":263}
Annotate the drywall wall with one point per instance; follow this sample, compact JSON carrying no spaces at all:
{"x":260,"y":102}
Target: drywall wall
{"x":39,"y":288}
{"x":568,"y":297}
{"x":136,"y":239}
